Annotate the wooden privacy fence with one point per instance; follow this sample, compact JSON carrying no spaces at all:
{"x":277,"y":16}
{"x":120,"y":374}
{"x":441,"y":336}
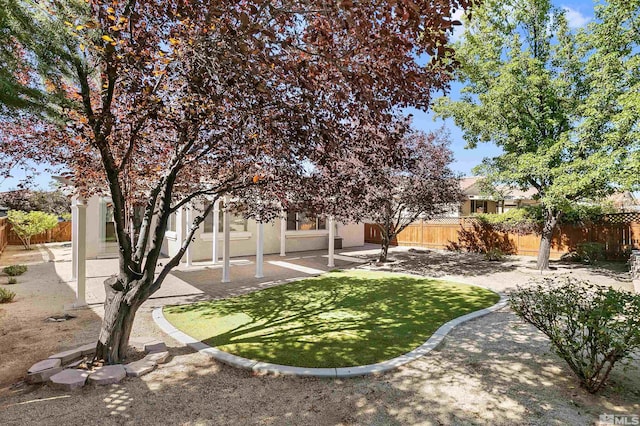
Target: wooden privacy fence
{"x":4,"y":233}
{"x":619,"y":233}
{"x":58,"y":234}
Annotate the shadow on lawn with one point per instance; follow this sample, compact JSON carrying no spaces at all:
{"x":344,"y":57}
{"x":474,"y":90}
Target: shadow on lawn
{"x":334,"y":321}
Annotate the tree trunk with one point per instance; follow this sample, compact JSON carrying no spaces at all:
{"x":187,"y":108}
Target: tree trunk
{"x":120,"y":308}
{"x":384,"y":249}
{"x":550,"y":222}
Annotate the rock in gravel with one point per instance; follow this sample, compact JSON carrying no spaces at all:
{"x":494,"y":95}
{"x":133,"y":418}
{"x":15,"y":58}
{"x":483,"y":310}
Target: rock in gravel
{"x":158,"y":357}
{"x":155,"y":346}
{"x":69,"y":379}
{"x":139,"y":368}
{"x":68,"y":356}
{"x":107,"y":375}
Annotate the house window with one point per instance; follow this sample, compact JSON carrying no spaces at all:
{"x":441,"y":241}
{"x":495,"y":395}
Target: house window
{"x":171,"y":223}
{"x":237,"y":223}
{"x":304,"y":222}
{"x":478,"y":206}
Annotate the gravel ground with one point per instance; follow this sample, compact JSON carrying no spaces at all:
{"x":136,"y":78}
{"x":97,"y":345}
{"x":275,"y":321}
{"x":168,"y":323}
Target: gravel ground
{"x":493,"y":370}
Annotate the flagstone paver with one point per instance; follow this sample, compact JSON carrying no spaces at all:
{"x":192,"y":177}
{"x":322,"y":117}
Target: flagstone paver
{"x":69,"y":379}
{"x":158,"y":357}
{"x":68,"y":356}
{"x":155,"y":346}
{"x":140,"y":368}
{"x":108,"y":375}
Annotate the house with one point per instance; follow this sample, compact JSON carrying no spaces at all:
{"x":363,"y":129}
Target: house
{"x":478,"y":201}
{"x":624,"y":201}
{"x":300,"y":233}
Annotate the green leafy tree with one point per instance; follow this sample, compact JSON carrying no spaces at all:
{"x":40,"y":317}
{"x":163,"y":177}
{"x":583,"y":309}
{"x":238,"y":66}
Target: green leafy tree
{"x":524,"y":80}
{"x":26,"y":225}
{"x":612,"y":109}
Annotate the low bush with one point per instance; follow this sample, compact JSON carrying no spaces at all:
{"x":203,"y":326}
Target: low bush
{"x":6,"y":296}
{"x":12,"y":280}
{"x":518,"y":221}
{"x":494,"y":254}
{"x":590,"y":253}
{"x":591,"y":327}
{"x":14,"y":270}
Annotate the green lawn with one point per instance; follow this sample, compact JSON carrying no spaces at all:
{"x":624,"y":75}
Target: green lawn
{"x":337,"y":320}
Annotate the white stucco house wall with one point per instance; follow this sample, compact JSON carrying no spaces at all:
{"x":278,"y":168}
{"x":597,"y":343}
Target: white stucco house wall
{"x":300,"y":234}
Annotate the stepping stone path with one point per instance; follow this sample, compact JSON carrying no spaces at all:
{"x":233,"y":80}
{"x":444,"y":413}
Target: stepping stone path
{"x":140,"y":368}
{"x":107,"y":375}
{"x":68,"y":356}
{"x":155,"y":346}
{"x":41,"y":371}
{"x":60,"y":369}
{"x":70,"y":379}
{"x":158,"y":357}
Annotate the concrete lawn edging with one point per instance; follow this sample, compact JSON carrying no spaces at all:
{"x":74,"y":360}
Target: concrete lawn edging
{"x":339,"y":372}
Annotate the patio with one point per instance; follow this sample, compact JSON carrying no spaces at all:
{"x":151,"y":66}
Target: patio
{"x":203,"y":280}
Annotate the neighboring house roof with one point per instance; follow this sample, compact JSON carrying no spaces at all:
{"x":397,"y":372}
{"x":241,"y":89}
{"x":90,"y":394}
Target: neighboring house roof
{"x":471,"y":187}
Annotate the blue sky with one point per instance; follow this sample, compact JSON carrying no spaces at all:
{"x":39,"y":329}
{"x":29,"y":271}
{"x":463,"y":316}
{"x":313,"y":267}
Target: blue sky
{"x":579,"y":13}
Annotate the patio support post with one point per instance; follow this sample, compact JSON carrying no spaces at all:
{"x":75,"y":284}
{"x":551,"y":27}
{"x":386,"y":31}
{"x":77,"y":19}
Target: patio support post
{"x":216,"y":224}
{"x":283,"y":234}
{"x":189,"y":220}
{"x":79,"y":247}
{"x":74,"y":238}
{"x":227,"y":237}
{"x":260,"y":250}
{"x":332,"y":240}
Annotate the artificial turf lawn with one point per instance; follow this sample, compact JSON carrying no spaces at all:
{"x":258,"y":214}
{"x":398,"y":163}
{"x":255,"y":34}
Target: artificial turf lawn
{"x":339,"y":319}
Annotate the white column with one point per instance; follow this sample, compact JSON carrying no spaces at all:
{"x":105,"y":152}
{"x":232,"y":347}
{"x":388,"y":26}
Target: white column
{"x":80,"y":252}
{"x":226,"y":263}
{"x":74,"y":238}
{"x":216,"y":224}
{"x":188,"y":220}
{"x":332,"y":240}
{"x":260,"y":250}
{"x":283,"y":234}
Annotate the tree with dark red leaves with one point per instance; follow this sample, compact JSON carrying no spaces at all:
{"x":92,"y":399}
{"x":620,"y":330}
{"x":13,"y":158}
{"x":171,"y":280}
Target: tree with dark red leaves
{"x":162,"y":104}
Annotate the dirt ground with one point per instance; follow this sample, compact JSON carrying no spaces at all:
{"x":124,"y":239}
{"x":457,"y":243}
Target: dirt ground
{"x":25,"y":335}
{"x":494,"y":370}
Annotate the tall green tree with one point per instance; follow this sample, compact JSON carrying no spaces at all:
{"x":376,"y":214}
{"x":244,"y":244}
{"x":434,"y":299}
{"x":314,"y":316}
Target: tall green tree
{"x":612,"y":109}
{"x":524,"y":76}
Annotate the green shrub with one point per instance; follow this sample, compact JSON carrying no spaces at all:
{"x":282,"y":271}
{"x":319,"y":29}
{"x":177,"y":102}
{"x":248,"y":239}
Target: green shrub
{"x":14,"y":270}
{"x":591,"y":327}
{"x":519,"y":221}
{"x":6,"y":296}
{"x":494,"y":254}
{"x":590,"y":252}
{"x":12,"y":280}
